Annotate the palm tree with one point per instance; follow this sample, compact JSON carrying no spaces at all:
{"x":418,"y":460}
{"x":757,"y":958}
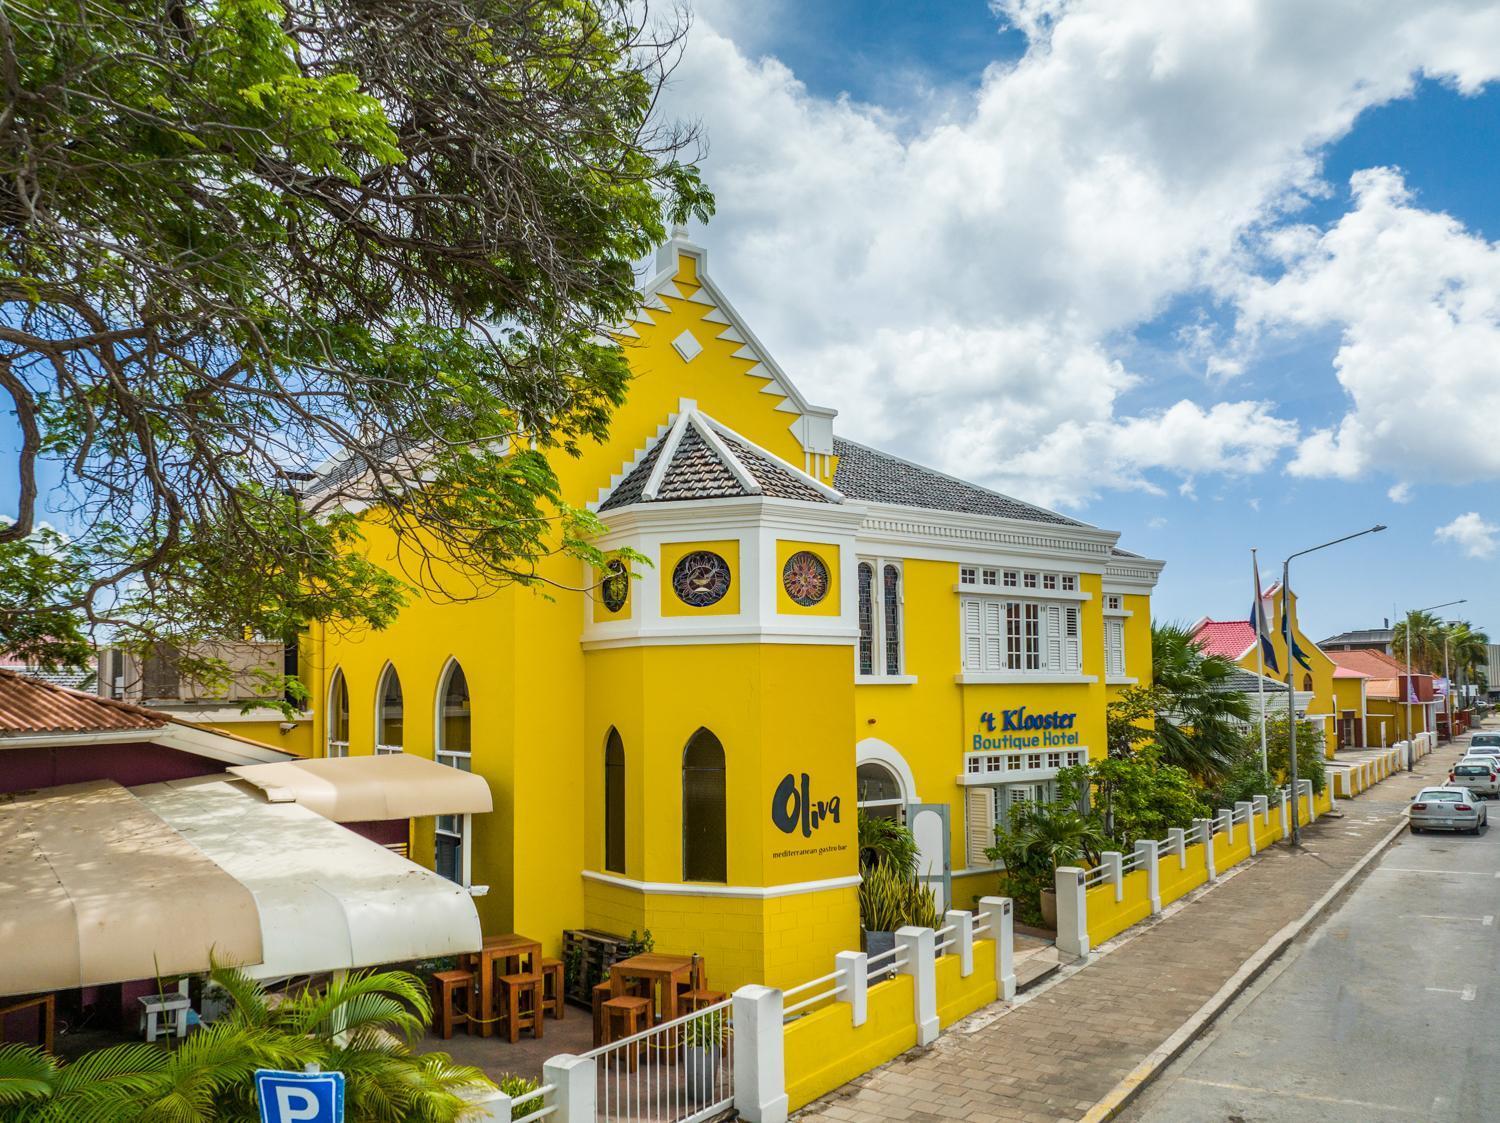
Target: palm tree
{"x":1426,"y":632}
{"x":1200,"y":718}
{"x":358,"y":1025}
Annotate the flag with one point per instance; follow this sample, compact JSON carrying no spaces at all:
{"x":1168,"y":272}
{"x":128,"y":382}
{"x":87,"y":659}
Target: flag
{"x":1289,"y":634}
{"x":1259,"y":623}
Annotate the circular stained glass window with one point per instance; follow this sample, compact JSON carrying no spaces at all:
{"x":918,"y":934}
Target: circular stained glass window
{"x":701,"y":578}
{"x":616,"y":587}
{"x":805,"y":578}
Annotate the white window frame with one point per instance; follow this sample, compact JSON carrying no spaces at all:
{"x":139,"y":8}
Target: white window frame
{"x":461,"y":827}
{"x":983,"y":636}
{"x":987,"y":806}
{"x":1114,"y":648}
{"x":879,"y":674}
{"x":380,"y":749}
{"x":332,"y":748}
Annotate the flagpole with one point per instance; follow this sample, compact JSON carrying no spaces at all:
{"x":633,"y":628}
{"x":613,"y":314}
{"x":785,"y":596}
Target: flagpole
{"x":1260,"y":664}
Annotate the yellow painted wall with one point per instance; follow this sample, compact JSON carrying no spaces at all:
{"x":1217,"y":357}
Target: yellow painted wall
{"x":958,"y":997}
{"x":824,"y":1050}
{"x":1180,"y":876}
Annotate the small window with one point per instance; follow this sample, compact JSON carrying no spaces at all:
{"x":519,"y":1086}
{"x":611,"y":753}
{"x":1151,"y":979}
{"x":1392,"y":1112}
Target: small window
{"x":1069,"y":583}
{"x":990,"y":577}
{"x":1112,"y":602}
{"x":454,"y":722}
{"x":1307,"y":682}
{"x":1011,"y":578}
{"x":390,"y":733}
{"x":614,"y":802}
{"x":1049,"y":581}
{"x":704,"y":856}
{"x":1029,"y":581}
{"x":338,"y":715}
{"x":967,"y":575}
{"x":878,"y":791}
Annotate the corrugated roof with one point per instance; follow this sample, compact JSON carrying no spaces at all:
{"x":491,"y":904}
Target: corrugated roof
{"x":1380,"y":636}
{"x":30,"y":706}
{"x":878,"y":477}
{"x":1229,"y":638}
{"x":1242,"y":681}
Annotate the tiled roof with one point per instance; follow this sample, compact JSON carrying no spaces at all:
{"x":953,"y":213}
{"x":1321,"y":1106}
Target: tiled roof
{"x":697,"y":471}
{"x":1244,"y":682}
{"x":29,"y":706}
{"x":878,"y":477}
{"x":1346,"y":672}
{"x":1229,"y":638}
{"x":1374,"y":664}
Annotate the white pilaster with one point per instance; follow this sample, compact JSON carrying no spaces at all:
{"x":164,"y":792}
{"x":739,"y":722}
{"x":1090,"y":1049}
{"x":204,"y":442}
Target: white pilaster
{"x":575,"y":1082}
{"x":962,"y":923}
{"x":1002,"y":929}
{"x":759,"y":1055}
{"x":1147,"y":850}
{"x":854,"y":983}
{"x":1072,"y":913}
{"x":920,"y":948}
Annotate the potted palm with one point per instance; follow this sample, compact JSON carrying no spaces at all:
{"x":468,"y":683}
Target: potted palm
{"x":703,"y":1041}
{"x":890,"y":896}
{"x":1042,"y":838}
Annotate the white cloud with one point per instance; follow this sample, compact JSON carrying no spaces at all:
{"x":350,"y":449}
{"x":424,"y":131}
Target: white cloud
{"x":1416,"y":298}
{"x":1156,"y":522}
{"x":1471,"y":534}
{"x":1399,"y":492}
{"x":959,"y":288}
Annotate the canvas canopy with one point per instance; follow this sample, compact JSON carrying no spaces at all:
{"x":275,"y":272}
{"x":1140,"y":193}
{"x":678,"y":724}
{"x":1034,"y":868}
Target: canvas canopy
{"x":328,"y":899}
{"x":357,"y":789}
{"x":95,"y":888}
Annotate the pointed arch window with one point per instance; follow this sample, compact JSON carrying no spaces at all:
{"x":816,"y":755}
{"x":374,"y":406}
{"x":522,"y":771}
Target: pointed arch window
{"x":390,"y":729}
{"x":1307,"y":683}
{"x":881,"y":652}
{"x":338,"y":715}
{"x":453,"y":749}
{"x":866,"y":618}
{"x":614,"y":802}
{"x":704,"y":852}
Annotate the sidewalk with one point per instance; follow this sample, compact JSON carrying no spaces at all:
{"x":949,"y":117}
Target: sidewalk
{"x":1063,"y":1048}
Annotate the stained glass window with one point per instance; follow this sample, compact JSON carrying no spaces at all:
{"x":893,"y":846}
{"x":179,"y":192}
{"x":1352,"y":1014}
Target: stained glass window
{"x":701,"y":578}
{"x":866,"y":619}
{"x":891,"y":602}
{"x":805,"y":578}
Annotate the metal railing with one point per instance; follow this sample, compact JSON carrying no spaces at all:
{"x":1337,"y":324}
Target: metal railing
{"x":538,"y":1111}
{"x":677,"y":1072}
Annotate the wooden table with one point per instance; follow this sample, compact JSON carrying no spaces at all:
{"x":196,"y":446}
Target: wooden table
{"x":664,"y":971}
{"x":45,"y":1004}
{"x":511,"y":948}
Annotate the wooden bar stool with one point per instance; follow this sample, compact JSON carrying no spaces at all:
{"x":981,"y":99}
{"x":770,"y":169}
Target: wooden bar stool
{"x":449,"y":986}
{"x":631,"y":1015}
{"x":552,"y":986}
{"x":698,"y":999}
{"x":521,"y":995}
{"x":600,"y":996}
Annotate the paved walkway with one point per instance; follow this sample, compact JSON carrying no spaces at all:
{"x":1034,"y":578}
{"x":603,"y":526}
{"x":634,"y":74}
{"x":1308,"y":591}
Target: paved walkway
{"x":1064,"y":1047}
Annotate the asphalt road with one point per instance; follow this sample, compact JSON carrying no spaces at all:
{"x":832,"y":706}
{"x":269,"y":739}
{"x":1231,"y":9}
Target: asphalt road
{"x":1385,"y":1011}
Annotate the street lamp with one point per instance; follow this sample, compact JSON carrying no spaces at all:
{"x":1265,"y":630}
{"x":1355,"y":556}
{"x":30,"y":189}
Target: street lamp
{"x":1410,"y":751}
{"x":1291,"y":694}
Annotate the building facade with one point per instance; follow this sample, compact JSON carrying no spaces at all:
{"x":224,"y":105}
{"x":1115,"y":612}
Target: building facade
{"x":821,"y":628}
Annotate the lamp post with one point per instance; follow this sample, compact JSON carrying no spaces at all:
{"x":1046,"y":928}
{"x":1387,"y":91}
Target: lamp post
{"x":1407,"y":700}
{"x":1291,"y":694}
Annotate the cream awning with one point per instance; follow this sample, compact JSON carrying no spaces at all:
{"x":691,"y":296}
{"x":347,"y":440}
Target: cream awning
{"x":95,"y":888}
{"x":328,"y":898}
{"x":357,"y":789}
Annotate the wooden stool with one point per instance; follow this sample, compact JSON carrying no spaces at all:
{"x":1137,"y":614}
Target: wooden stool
{"x":600,"y":997}
{"x":449,"y":985}
{"x":552,"y":986}
{"x":698,"y":999}
{"x":521,"y":995}
{"x":632,"y":1015}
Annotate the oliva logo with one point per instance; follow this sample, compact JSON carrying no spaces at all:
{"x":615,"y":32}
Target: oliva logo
{"x":792,"y":805}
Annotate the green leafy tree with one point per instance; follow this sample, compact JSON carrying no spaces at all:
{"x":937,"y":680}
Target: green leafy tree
{"x":359,"y":1025}
{"x":1041,"y":838}
{"x":1311,"y":763}
{"x":1135,"y":797}
{"x":1424,"y":631}
{"x":1200,"y":719}
{"x":294,"y":286}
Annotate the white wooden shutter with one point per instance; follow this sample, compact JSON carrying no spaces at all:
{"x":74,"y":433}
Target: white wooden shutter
{"x":973,"y":636}
{"x":994,"y":635}
{"x":1072,"y":651}
{"x":1052,"y":638}
{"x":979,"y":821}
{"x":1114,"y":647}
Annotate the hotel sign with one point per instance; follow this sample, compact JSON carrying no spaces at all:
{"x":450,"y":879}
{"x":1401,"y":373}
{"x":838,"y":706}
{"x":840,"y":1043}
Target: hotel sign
{"x":1020,"y":729}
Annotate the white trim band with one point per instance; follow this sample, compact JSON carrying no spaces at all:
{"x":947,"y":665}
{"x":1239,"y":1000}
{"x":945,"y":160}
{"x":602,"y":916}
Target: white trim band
{"x":702,"y":889}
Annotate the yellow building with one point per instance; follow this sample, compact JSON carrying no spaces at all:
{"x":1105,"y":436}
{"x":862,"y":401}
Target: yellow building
{"x":822,"y":627}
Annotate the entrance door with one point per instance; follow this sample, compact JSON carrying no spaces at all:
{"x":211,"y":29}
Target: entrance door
{"x":929,"y":826}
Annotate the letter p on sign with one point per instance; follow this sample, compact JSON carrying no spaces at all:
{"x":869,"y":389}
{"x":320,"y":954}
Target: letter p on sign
{"x":300,"y":1097}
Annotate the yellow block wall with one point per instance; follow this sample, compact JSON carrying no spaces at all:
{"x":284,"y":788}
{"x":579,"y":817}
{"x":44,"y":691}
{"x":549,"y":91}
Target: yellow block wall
{"x":1176,"y":879}
{"x":958,"y":997}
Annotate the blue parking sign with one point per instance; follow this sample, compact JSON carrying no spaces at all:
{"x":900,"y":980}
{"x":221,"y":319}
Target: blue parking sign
{"x":300,"y":1097}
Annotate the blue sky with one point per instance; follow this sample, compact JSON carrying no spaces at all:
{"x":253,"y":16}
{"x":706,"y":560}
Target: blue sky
{"x":1215,"y":276}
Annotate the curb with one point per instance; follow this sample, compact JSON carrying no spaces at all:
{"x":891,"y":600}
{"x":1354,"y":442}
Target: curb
{"x":1136,"y":1081}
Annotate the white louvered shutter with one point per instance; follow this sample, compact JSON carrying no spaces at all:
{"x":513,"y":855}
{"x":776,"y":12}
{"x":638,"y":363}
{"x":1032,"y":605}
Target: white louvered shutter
{"x":979,"y":814}
{"x":1052,"y":621}
{"x":1072,"y":650}
{"x":973,"y":636}
{"x":1114,"y":647}
{"x":994,"y":635}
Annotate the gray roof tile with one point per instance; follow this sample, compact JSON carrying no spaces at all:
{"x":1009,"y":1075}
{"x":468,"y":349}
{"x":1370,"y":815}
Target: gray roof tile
{"x":697,"y":472}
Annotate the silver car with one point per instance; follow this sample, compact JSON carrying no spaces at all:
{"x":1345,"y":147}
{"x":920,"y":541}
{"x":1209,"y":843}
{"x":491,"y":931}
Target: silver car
{"x":1480,"y":774}
{"x":1486,"y":740}
{"x":1447,"y":809}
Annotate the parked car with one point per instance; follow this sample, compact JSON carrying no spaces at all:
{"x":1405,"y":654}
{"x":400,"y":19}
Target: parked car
{"x":1447,"y":809}
{"x":1479,"y":773}
{"x":1486,"y":740}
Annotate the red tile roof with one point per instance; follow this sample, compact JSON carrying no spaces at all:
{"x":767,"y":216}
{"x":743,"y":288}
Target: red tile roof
{"x":1369,"y":662}
{"x":1229,"y":638}
{"x":30,"y":706}
{"x":1345,"y":672}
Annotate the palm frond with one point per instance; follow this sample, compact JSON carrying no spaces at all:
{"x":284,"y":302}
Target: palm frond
{"x":26,"y":1074}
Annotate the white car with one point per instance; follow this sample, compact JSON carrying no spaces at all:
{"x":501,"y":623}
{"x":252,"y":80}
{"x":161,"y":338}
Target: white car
{"x":1479,"y":773}
{"x":1487,"y":739}
{"x":1447,"y":809}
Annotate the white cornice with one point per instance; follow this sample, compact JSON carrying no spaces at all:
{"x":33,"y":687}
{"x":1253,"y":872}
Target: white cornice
{"x":703,"y":517}
{"x":703,"y":889}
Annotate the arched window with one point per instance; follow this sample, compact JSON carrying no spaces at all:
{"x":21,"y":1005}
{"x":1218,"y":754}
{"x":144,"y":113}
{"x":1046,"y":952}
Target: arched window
{"x":614,"y":802}
{"x":390,"y":735}
{"x":338,"y":715}
{"x":1307,"y":683}
{"x":891,"y":604}
{"x":703,"y":828}
{"x":866,"y":619}
{"x":453,"y":746}
{"x":878,"y":792}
